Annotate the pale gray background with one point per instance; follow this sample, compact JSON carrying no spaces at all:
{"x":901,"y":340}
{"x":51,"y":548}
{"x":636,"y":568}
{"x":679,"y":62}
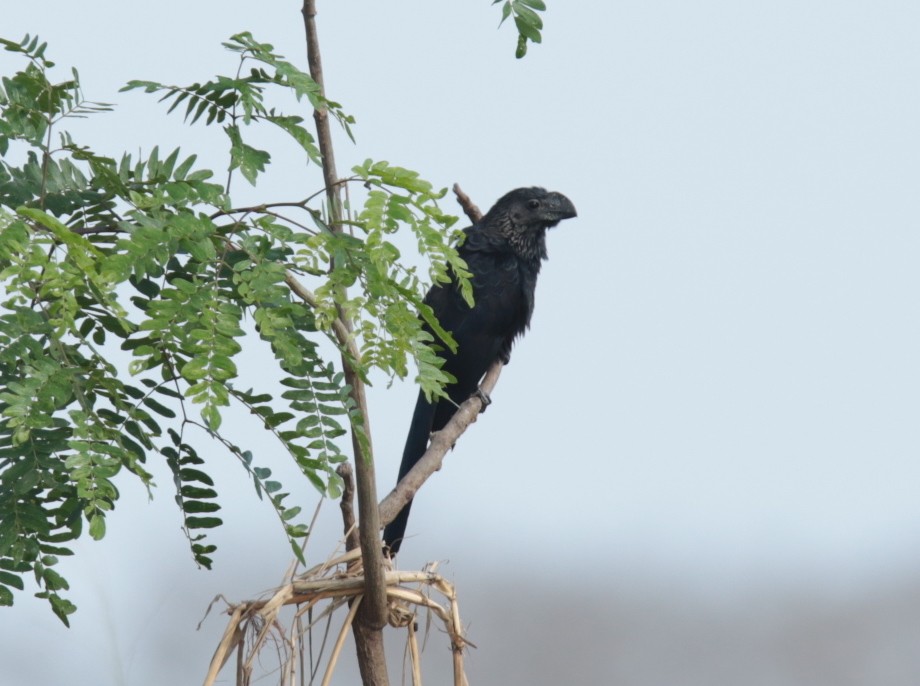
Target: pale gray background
{"x":701,"y":466}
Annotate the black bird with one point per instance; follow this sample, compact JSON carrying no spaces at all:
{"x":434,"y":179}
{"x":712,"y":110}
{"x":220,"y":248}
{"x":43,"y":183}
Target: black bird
{"x":504,"y":252}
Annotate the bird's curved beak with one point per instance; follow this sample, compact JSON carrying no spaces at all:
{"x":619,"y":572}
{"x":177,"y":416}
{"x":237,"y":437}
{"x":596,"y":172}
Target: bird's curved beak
{"x":557,"y":207}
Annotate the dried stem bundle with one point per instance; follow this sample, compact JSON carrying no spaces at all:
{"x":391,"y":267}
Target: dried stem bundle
{"x":336,"y":581}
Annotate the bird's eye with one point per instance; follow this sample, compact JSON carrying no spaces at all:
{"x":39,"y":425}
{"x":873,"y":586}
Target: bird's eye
{"x":533,"y":204}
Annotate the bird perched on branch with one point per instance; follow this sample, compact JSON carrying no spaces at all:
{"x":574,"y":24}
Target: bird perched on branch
{"x":504,"y":252}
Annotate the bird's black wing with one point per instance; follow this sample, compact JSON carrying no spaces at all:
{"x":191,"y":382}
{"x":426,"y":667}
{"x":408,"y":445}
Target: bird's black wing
{"x":503,"y":252}
{"x":482,"y":333}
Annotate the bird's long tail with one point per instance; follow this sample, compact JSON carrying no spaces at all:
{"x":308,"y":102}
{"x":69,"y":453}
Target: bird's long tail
{"x":416,"y":444}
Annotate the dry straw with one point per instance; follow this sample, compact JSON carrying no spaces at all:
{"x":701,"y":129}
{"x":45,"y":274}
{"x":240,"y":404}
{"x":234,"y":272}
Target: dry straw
{"x":316,"y":595}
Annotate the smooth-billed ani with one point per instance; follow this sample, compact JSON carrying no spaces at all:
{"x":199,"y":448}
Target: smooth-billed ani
{"x":504,"y":252}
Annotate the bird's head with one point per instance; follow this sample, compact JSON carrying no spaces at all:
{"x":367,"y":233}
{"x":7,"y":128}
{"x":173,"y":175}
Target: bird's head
{"x":523,"y":215}
{"x":535,"y":207}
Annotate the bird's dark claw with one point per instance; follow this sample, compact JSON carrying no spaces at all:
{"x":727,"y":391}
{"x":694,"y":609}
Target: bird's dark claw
{"x":484,"y":397}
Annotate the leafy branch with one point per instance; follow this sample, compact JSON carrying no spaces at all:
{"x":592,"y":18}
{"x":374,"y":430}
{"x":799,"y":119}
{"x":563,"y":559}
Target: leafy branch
{"x":146,"y":256}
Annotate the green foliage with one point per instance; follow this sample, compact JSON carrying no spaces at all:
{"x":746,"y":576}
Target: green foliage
{"x":242,"y":99}
{"x":526,"y":20}
{"x":130,"y":284}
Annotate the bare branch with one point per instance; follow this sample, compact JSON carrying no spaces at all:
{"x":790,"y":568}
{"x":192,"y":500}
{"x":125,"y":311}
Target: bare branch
{"x":441,"y":442}
{"x":342,"y":334}
{"x":91,"y":230}
{"x":258,"y":209}
{"x":469,"y":207}
{"x":321,"y":115}
{"x":302,"y":204}
{"x":348,"y":510}
{"x":81,"y":231}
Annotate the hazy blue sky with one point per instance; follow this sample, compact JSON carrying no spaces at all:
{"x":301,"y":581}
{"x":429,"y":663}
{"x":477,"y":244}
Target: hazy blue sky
{"x":721,"y":388}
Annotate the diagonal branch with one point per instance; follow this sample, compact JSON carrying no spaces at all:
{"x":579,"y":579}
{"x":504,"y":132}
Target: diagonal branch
{"x":441,"y":442}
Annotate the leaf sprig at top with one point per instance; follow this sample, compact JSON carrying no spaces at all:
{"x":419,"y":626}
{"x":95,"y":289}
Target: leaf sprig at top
{"x":241,"y":100}
{"x":526,"y":20}
{"x":130,"y":284}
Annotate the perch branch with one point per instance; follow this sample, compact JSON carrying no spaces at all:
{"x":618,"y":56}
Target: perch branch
{"x":441,"y":442}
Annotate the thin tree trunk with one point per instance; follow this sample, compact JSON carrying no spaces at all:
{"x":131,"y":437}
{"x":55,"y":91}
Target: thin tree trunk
{"x":372,"y":615}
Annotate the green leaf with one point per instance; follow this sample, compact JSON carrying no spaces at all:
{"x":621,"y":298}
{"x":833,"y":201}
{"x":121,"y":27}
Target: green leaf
{"x":521,"y":49}
{"x":8,"y":579}
{"x":54,"y":581}
{"x":97,"y":527}
{"x":159,"y":408}
{"x":203,"y":522}
{"x":62,"y":608}
{"x":199,"y":507}
{"x":250,"y":161}
{"x":527,"y":29}
{"x":291,"y":125}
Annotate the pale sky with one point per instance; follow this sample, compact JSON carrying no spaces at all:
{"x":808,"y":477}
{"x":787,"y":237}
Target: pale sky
{"x":721,"y":387}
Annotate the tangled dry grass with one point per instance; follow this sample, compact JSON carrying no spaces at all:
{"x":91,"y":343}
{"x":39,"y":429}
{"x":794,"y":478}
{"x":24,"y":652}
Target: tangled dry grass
{"x":256,"y":627}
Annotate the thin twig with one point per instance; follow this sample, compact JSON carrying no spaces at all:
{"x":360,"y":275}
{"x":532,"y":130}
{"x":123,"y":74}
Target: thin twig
{"x":233,"y":635}
{"x":340,"y":641}
{"x":302,"y":204}
{"x":469,"y":207}
{"x":414,"y":656}
{"x":347,"y":505}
